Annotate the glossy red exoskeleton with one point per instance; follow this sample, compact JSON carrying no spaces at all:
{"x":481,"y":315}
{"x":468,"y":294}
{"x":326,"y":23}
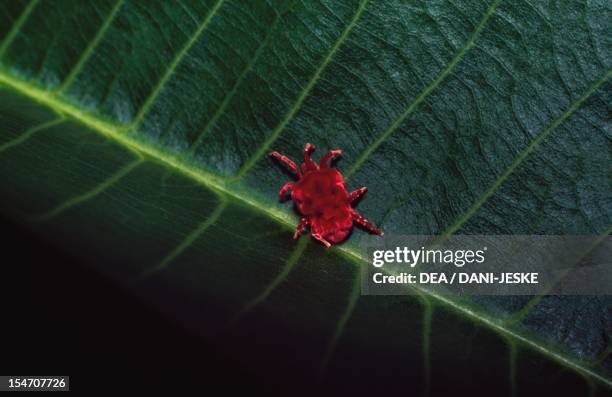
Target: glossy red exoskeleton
{"x":321,"y":197}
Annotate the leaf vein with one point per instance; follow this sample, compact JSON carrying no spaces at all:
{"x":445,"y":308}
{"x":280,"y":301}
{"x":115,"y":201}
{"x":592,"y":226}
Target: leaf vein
{"x":114,"y":132}
{"x":91,"y":193}
{"x":29,"y":132}
{"x":174,"y":64}
{"x":189,"y":239}
{"x":523,"y":155}
{"x":8,"y":40}
{"x":250,"y":162}
{"x":344,"y":317}
{"x":424,"y":93}
{"x":526,"y":309}
{"x":228,"y":98}
{"x":91,"y":46}
{"x":291,"y":261}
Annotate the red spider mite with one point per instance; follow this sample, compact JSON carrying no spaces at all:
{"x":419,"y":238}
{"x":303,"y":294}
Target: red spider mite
{"x":321,"y":197}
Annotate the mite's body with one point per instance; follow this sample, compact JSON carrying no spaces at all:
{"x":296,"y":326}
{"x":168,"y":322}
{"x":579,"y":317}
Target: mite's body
{"x":321,"y":197}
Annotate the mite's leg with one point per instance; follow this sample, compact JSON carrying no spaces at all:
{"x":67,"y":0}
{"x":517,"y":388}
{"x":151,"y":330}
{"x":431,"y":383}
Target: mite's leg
{"x":282,"y":194}
{"x":301,"y":226}
{"x":327,"y":159}
{"x":356,"y":194}
{"x":321,"y":239}
{"x":287,"y":161}
{"x":308,"y":164}
{"x":363,"y":222}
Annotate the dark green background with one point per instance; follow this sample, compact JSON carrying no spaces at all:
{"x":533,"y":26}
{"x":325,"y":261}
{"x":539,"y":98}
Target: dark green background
{"x":134,"y":136}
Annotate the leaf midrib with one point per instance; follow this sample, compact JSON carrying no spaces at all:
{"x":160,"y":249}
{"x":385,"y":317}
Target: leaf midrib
{"x":220,"y":186}
{"x":223,"y":185}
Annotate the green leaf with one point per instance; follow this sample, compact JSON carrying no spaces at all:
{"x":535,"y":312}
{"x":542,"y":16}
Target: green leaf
{"x":134,"y":135}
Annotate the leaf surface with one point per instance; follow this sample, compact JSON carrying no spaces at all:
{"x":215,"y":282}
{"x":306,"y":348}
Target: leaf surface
{"x":134,"y":135}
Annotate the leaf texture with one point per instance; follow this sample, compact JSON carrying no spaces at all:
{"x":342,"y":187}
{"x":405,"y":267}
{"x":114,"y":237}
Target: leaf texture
{"x":134,"y":135}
